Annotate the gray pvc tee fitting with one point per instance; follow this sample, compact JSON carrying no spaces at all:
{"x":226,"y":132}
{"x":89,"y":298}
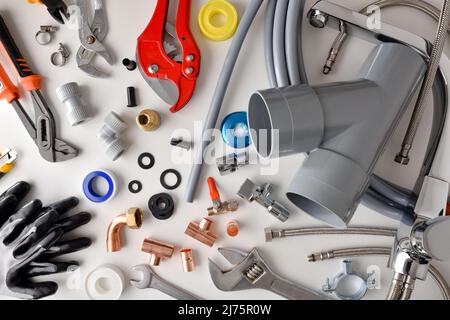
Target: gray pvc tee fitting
{"x":71,"y":96}
{"x":344,"y":125}
{"x":110,"y":136}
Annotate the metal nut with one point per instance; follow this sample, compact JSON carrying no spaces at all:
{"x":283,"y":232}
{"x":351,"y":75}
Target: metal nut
{"x":148,"y":120}
{"x":134,"y":218}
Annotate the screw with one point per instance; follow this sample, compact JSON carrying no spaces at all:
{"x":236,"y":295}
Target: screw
{"x":189,"y":70}
{"x":90,"y":39}
{"x":190,"y":58}
{"x":153,"y":69}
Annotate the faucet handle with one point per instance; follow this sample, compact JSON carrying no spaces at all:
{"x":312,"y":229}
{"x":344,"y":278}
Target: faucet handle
{"x":432,"y":238}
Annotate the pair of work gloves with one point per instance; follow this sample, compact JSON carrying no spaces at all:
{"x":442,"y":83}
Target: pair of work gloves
{"x":31,"y":237}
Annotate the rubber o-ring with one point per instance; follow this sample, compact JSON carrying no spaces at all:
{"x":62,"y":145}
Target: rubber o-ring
{"x":135,"y":186}
{"x":163,"y":179}
{"x":209,"y":11}
{"x":144,"y":156}
{"x":161,"y":206}
{"x":88,"y":187}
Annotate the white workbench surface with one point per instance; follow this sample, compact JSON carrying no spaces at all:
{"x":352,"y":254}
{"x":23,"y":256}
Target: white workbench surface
{"x":55,"y":181}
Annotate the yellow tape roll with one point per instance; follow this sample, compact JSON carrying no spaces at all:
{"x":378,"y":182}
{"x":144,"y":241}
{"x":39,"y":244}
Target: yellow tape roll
{"x":214,"y":9}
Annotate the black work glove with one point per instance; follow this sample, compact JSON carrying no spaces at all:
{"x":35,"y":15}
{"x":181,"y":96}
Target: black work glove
{"x":31,"y":237}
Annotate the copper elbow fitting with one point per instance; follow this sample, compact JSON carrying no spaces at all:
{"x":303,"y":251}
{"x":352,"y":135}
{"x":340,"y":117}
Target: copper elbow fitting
{"x":132,"y":218}
{"x":148,"y":120}
{"x":158,"y":251}
{"x":202,"y":232}
{"x":187,"y":259}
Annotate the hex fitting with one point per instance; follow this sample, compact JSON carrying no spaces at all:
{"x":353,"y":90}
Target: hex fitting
{"x":158,"y":251}
{"x":110,"y":135}
{"x":187,"y":259}
{"x":70,"y":95}
{"x":202,"y":232}
{"x":148,"y":120}
{"x":132,"y":218}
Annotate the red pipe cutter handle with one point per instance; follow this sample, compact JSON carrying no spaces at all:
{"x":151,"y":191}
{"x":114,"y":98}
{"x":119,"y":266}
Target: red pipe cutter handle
{"x":150,"y":51}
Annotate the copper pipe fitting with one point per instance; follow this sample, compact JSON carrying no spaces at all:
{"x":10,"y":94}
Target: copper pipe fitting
{"x":148,"y":120}
{"x":132,"y":218}
{"x":158,"y":251}
{"x":202,"y":232}
{"x":187,"y":258}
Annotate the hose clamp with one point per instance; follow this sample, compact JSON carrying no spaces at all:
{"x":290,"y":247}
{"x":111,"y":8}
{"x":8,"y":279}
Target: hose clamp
{"x":59,"y":58}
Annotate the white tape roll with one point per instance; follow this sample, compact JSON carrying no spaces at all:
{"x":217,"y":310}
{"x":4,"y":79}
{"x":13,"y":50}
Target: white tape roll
{"x":105,"y":283}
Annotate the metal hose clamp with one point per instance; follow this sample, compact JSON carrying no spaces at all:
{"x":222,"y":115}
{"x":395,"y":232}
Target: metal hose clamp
{"x":59,"y":58}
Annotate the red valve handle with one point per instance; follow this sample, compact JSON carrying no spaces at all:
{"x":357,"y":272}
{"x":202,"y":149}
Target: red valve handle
{"x":214,"y":193}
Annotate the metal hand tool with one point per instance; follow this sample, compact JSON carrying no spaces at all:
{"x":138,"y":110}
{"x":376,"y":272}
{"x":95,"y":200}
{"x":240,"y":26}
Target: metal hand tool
{"x":8,"y":158}
{"x":43,"y":129}
{"x":151,"y":281}
{"x":252,"y":272}
{"x":169,"y":60}
{"x":56,"y":8}
{"x":91,"y":37}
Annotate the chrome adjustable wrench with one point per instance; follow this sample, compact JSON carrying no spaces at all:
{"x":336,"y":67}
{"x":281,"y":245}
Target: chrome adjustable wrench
{"x":252,"y":272}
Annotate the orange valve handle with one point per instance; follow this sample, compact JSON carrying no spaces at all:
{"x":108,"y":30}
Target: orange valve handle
{"x":28,"y":79}
{"x":8,"y":91}
{"x":214,"y":193}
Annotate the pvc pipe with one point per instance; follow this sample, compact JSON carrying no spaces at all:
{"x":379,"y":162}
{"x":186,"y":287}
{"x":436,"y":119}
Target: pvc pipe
{"x":268,"y":42}
{"x":219,"y":95}
{"x":279,"y":49}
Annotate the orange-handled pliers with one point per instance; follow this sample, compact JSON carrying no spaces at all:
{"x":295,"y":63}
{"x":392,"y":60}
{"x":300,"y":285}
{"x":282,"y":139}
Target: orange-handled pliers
{"x":43,"y":129}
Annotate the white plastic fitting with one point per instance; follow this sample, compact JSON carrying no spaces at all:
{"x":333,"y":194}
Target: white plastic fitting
{"x":110,"y":135}
{"x":71,"y":96}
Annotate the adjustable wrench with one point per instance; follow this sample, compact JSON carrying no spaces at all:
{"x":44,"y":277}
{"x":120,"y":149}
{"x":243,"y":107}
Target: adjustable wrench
{"x":150,"y":280}
{"x":252,"y":272}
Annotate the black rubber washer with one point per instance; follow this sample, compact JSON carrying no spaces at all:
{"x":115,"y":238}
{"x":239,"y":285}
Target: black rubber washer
{"x":144,"y":156}
{"x":163,"y":179}
{"x":162,"y":206}
{"x":135,"y":186}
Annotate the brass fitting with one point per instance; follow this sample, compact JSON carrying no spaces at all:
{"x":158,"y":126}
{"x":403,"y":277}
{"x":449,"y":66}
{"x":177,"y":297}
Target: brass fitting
{"x":148,"y":120}
{"x":132,"y":218}
{"x":158,"y":251}
{"x":202,"y":232}
{"x":187,"y":258}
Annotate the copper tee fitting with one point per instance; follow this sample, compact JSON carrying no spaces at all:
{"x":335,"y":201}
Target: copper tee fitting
{"x":158,"y":251}
{"x":202,"y":232}
{"x":187,"y":258}
{"x":132,"y":218}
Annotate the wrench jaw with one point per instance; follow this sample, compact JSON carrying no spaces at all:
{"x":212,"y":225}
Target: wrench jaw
{"x":227,"y":281}
{"x":147,"y":276}
{"x":249,"y":271}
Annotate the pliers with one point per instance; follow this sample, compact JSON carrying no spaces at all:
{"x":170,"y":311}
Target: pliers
{"x":43,"y":129}
{"x":56,"y":8}
{"x":172,"y":80}
{"x":91,"y":37}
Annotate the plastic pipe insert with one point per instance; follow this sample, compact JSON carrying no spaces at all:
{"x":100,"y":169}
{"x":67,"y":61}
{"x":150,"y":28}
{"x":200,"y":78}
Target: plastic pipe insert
{"x":345,"y":126}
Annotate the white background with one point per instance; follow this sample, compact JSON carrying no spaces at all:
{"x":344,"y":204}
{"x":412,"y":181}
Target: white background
{"x":127,"y":19}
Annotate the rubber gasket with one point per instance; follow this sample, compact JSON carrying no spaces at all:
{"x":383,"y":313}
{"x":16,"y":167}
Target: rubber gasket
{"x":161,"y":206}
{"x":163,"y":179}
{"x":135,"y":186}
{"x":144,"y":156}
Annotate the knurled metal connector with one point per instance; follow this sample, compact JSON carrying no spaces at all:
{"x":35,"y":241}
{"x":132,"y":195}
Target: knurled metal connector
{"x":232,"y":162}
